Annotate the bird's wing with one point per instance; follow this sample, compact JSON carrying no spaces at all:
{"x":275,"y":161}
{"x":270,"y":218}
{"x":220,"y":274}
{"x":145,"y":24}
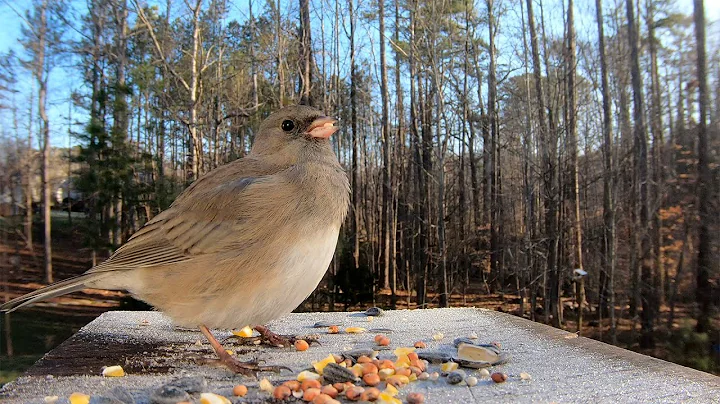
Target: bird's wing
{"x":202,"y":220}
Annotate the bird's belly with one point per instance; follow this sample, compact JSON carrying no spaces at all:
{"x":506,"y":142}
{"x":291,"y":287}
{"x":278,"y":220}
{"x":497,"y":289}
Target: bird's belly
{"x":276,"y":290}
{"x":301,"y":270}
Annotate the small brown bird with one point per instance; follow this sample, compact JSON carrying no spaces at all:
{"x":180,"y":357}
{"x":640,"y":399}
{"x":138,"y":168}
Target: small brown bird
{"x":244,"y":244}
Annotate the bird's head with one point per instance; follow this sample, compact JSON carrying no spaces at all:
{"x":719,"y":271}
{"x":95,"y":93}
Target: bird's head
{"x":294,"y":131}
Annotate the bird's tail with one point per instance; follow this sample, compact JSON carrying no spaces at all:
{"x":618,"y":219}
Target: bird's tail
{"x":56,"y":289}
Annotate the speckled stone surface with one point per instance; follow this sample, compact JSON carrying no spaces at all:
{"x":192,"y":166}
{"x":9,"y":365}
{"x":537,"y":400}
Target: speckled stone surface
{"x":563,"y":367}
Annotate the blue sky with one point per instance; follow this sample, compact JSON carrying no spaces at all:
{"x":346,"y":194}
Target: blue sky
{"x":64,"y":79}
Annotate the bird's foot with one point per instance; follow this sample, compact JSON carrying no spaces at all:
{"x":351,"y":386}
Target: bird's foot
{"x":249,"y":368}
{"x":270,"y":338}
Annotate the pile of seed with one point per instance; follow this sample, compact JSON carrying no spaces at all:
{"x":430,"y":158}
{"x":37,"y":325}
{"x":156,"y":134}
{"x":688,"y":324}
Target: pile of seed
{"x":356,"y":375}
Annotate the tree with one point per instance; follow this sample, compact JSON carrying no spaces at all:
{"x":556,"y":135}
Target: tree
{"x":705,"y":180}
{"x":607,"y":279}
{"x":647,"y":293}
{"x":41,"y":37}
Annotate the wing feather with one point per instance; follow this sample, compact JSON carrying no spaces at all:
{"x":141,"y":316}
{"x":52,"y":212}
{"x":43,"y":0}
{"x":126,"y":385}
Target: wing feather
{"x":197,"y":223}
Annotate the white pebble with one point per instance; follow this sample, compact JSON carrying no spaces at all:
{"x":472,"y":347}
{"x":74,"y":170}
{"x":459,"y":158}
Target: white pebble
{"x":51,"y":399}
{"x":471,"y":381}
{"x":525,"y":376}
{"x":484,"y":373}
{"x":438,"y":336}
{"x":434,"y":376}
{"x":473,"y":335}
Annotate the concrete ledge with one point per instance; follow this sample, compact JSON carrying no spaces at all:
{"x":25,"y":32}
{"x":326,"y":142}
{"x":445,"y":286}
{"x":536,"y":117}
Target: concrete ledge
{"x":564,"y":368}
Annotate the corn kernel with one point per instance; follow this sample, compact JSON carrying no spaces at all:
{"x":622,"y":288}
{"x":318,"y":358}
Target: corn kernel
{"x":113,"y":371}
{"x":449,"y":366}
{"x":320,"y":365}
{"x":212,"y":398}
{"x":245,"y":332}
{"x":354,"y":330}
{"x":265,"y":385}
{"x":384,"y":397}
{"x":307,"y":375}
{"x":79,"y":398}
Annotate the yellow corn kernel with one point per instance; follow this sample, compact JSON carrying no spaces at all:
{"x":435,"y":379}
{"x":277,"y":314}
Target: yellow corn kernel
{"x":212,"y":398}
{"x":354,"y":330}
{"x":113,"y":371}
{"x":79,"y":398}
{"x":245,"y":332}
{"x":320,"y":365}
{"x":391,"y":390}
{"x":307,"y":375}
{"x":230,"y":351}
{"x":449,"y":366}
{"x":385,"y":397}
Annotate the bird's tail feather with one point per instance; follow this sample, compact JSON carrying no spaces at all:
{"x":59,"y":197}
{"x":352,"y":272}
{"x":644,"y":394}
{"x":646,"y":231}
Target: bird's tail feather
{"x":56,"y":289}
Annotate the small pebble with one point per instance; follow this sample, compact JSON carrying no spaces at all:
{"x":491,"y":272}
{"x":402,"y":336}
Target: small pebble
{"x":325,"y":324}
{"x":240,"y":390}
{"x":525,"y":376}
{"x":471,"y":381}
{"x":498,"y":377}
{"x":51,"y":399}
{"x":384,"y":341}
{"x":168,"y":394}
{"x":473,"y":335}
{"x":333,"y":329}
{"x":374,"y":311}
{"x":484,"y":373}
{"x":456,"y":377}
{"x":424,"y":376}
{"x":420,"y":345}
{"x":415,"y":398}
{"x":438,"y":336}
{"x":434,"y":376}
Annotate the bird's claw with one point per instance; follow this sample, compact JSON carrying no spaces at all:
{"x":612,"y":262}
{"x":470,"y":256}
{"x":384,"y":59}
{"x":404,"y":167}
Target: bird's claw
{"x":251,"y":368}
{"x":270,"y":338}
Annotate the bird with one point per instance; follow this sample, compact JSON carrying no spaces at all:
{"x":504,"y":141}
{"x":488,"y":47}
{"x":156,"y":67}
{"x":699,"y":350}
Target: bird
{"x":245,"y":243}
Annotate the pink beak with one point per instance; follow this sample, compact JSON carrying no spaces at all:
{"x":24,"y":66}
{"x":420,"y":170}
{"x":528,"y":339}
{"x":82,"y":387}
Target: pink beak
{"x":322,"y":127}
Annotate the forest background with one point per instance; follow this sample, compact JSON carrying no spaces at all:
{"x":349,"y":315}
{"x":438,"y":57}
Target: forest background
{"x":554,"y":159}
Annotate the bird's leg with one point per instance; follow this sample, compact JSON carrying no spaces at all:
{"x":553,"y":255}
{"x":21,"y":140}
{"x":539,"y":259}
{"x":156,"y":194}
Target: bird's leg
{"x":249,"y":368}
{"x":283,"y":340}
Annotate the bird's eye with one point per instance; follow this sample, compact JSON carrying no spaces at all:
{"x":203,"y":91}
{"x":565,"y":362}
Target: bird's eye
{"x":288,"y":125}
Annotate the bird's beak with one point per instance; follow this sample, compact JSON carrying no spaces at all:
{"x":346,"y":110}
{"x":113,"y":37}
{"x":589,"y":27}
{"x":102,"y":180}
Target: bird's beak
{"x":322,"y":127}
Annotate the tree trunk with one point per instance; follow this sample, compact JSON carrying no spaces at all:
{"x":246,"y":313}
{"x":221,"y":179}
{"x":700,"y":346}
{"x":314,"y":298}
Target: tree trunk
{"x":41,"y":77}
{"x":647,"y":339}
{"x":354,"y":219}
{"x":573,"y":146}
{"x":387,"y":197}
{"x":306,"y":52}
{"x":707,"y":216}
{"x":608,"y":183}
